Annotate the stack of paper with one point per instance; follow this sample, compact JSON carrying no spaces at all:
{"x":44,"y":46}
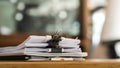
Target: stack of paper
{"x":34,"y":47}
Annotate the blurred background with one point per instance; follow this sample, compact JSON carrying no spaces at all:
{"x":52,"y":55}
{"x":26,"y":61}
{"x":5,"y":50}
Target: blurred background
{"x":73,"y":18}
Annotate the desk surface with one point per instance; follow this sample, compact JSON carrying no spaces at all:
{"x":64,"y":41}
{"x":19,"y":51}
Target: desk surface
{"x":61,"y":64}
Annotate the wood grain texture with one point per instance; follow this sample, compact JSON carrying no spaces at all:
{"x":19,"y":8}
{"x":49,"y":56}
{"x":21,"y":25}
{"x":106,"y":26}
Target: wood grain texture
{"x":61,"y":64}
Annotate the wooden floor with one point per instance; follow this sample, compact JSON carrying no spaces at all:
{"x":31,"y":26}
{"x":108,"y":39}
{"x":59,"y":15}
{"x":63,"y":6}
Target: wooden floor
{"x":61,"y":64}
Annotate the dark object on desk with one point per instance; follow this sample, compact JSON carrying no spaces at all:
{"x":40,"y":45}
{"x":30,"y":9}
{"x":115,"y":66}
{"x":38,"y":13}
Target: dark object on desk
{"x":54,"y":42}
{"x":56,"y":50}
{"x":19,"y":57}
{"x":111,"y":48}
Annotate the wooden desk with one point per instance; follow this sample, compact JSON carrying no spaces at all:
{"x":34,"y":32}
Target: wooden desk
{"x":61,"y":64}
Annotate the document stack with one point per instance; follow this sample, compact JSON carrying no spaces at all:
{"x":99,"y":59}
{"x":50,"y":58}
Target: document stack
{"x":47,"y":47}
